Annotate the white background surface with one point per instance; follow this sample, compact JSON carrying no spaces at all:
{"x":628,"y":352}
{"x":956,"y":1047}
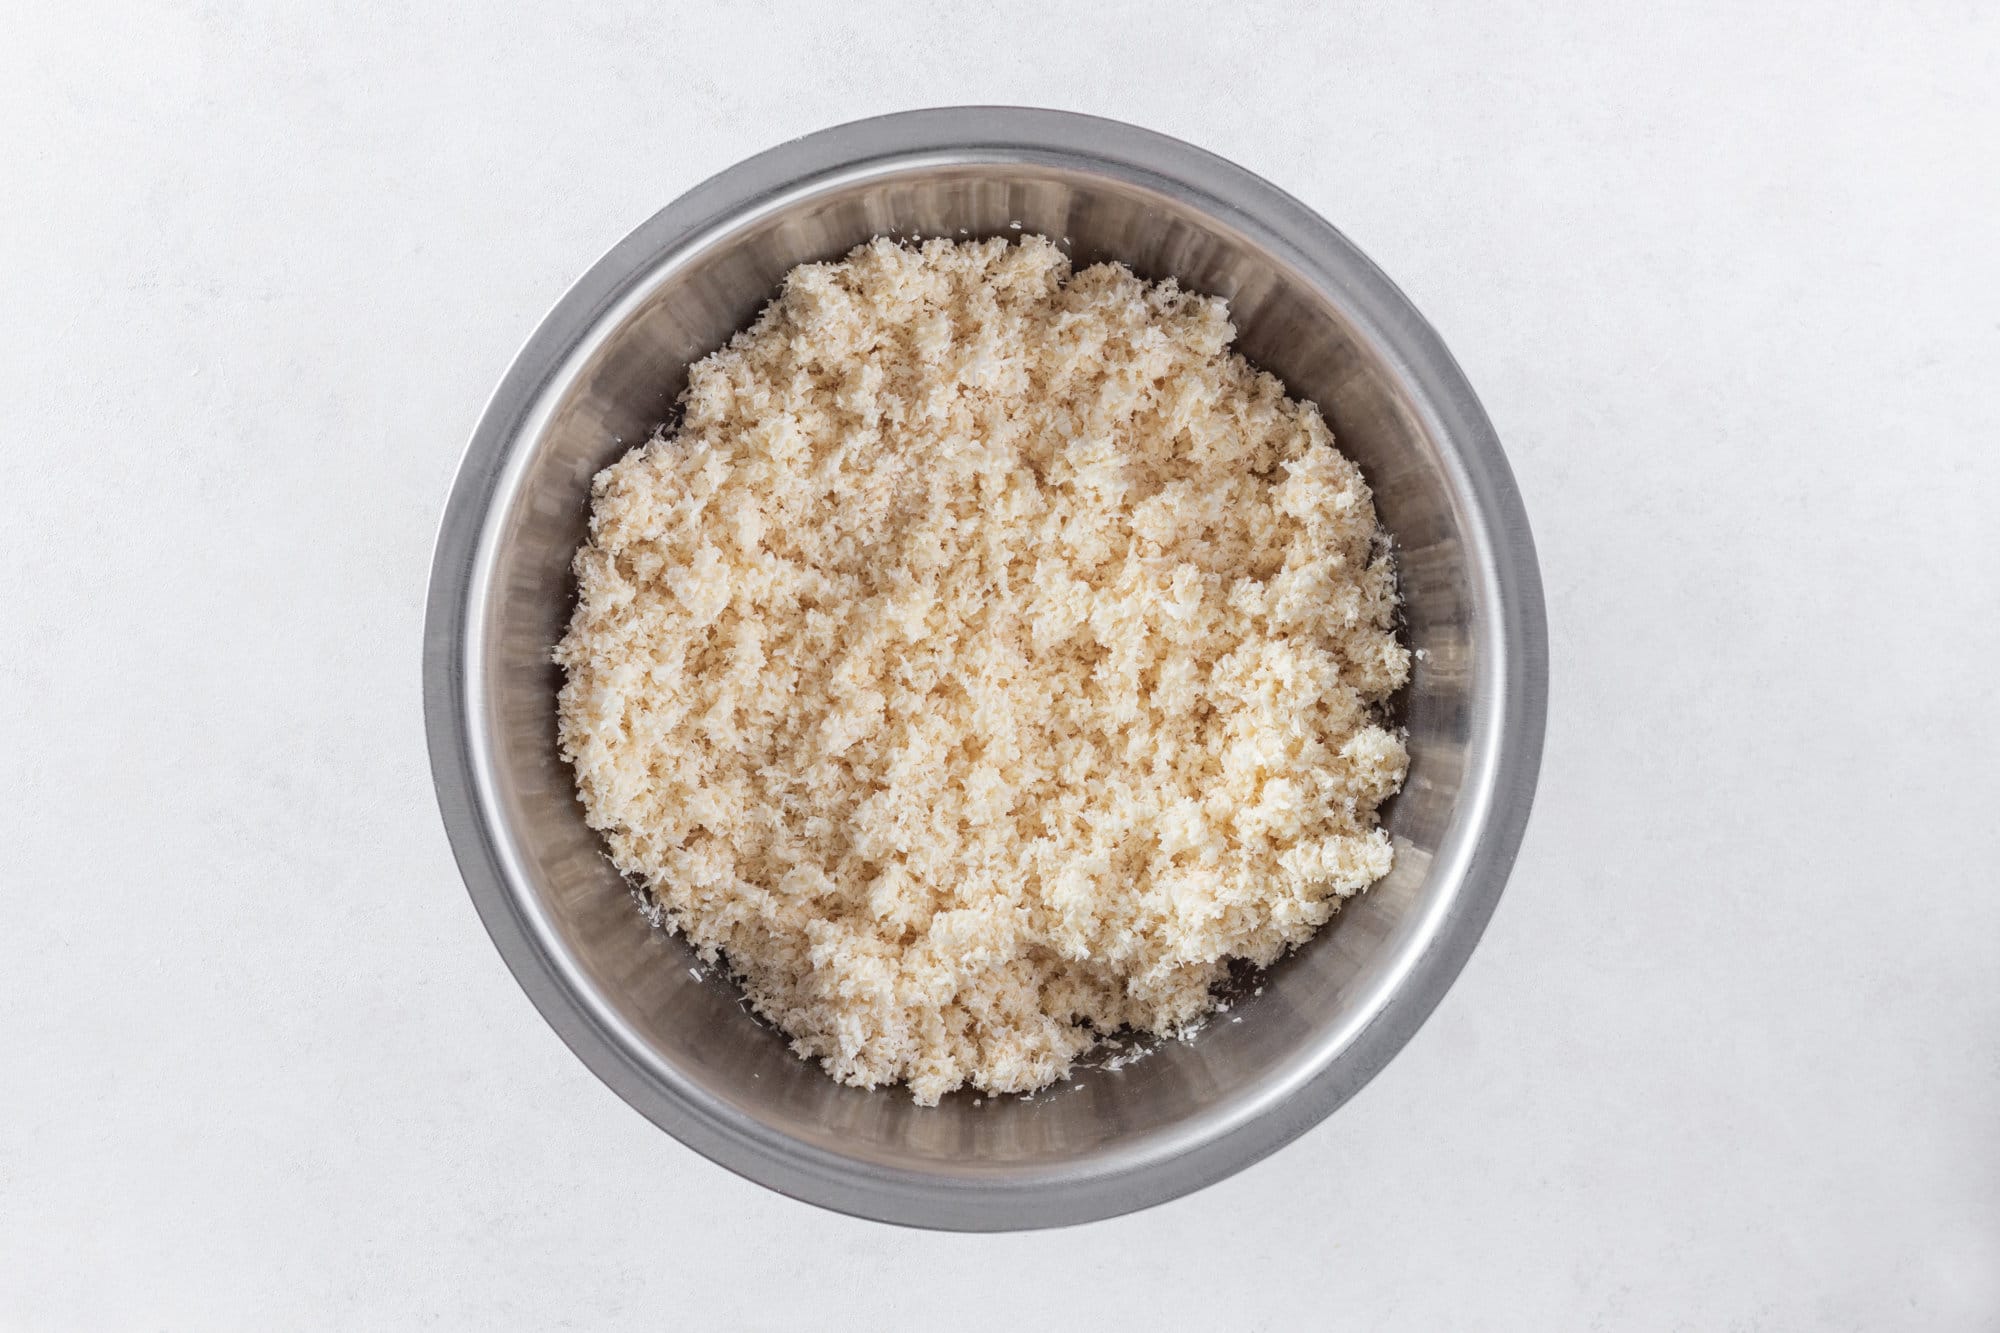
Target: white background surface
{"x":1726,"y":278}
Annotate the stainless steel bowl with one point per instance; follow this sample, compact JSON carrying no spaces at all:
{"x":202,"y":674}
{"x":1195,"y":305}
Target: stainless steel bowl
{"x":604,"y":369}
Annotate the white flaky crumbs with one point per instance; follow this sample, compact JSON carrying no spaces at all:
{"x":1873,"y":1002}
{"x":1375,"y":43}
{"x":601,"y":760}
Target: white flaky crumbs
{"x":988,"y":658}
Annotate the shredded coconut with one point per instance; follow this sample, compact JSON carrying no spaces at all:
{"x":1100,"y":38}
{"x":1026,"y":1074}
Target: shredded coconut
{"x":987,"y":659}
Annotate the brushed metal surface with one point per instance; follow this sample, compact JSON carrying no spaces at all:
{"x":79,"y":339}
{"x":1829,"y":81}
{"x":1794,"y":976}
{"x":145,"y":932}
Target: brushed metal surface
{"x":604,"y":369}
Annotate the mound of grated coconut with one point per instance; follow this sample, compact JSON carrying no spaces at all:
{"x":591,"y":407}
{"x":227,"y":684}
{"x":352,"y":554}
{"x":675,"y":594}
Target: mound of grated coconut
{"x":987,"y":659}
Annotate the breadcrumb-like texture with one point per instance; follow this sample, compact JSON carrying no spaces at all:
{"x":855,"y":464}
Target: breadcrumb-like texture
{"x":988,"y":658}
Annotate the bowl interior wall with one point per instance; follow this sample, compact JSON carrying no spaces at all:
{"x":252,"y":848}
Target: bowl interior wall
{"x":690,"y":304}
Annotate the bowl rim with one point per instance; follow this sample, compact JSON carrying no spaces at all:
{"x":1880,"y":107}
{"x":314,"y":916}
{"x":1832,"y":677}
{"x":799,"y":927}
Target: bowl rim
{"x":1505,"y":743}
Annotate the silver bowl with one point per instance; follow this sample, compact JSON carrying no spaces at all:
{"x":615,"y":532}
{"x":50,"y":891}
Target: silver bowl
{"x":673,"y":1039}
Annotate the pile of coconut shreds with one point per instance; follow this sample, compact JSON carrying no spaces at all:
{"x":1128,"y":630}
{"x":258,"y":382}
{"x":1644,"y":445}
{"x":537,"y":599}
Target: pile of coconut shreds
{"x":987,"y":659}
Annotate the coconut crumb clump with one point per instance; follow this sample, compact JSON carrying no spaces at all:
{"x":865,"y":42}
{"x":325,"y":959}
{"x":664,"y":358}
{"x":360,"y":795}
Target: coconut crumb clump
{"x":988,"y":658}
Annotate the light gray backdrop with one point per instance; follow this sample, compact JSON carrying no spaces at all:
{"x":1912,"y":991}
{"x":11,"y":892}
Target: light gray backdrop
{"x":1726,"y":277}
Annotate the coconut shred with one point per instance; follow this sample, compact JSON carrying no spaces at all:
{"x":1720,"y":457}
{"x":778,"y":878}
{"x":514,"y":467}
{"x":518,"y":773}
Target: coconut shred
{"x":987,"y":659}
